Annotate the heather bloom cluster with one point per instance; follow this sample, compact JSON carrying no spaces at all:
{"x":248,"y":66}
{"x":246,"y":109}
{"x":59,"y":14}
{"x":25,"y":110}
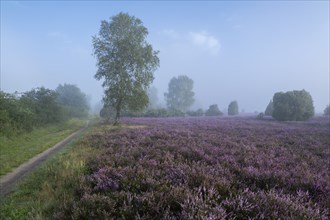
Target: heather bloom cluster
{"x":207,"y":168}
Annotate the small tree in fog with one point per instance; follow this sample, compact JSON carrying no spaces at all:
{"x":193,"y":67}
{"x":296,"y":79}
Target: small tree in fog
{"x":153,"y":97}
{"x":180,"y":95}
{"x":107,"y":112}
{"x":73,"y":100}
{"x":269,"y":109}
{"x":327,"y":110}
{"x":126,"y":61}
{"x":233,"y":108}
{"x":213,"y":111}
{"x":292,"y":106}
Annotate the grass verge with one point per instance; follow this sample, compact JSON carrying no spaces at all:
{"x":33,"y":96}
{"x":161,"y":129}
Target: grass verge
{"x":52,"y":184}
{"x":17,"y":149}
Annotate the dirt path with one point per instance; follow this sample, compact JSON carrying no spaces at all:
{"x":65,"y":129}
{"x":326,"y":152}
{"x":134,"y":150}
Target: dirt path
{"x":8,"y":181}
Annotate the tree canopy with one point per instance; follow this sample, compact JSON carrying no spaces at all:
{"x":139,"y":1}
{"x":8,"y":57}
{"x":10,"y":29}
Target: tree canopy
{"x":73,"y":100}
{"x":327,"y":110}
{"x":21,"y":112}
{"x":180,"y":95}
{"x":44,"y":103}
{"x":213,"y":111}
{"x":269,"y":109}
{"x":126,"y":62}
{"x":233,"y":108}
{"x":153,"y":97}
{"x":292,"y":106}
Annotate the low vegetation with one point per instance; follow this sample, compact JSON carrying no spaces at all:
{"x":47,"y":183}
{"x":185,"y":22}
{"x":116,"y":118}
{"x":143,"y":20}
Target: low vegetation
{"x":54,"y":183}
{"x":190,"y":168}
{"x":17,"y":149}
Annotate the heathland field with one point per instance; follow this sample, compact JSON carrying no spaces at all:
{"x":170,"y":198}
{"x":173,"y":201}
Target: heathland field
{"x":206,"y":168}
{"x":184,"y":168}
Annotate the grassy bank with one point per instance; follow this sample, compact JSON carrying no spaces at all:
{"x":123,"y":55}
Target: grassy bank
{"x":52,"y":184}
{"x":16,"y":150}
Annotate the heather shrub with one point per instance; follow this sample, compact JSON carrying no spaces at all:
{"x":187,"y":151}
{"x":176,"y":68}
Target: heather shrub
{"x":206,"y":168}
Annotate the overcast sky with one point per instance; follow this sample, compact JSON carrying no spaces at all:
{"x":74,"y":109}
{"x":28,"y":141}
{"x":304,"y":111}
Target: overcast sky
{"x":242,"y":50}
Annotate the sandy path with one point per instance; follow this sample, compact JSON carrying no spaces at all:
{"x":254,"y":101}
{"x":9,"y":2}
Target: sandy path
{"x":8,"y":181}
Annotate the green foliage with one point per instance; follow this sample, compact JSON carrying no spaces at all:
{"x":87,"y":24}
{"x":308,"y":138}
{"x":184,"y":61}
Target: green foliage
{"x":126,"y":62}
{"x":198,"y":112}
{"x":260,"y":115}
{"x":15,"y":115}
{"x":44,"y":103}
{"x":292,"y":106}
{"x":129,"y":113}
{"x":153,"y":97}
{"x":327,"y":110}
{"x":233,"y":108}
{"x":74,"y":101}
{"x":213,"y":111}
{"x":39,"y":107}
{"x":180,"y":95}
{"x":107,"y":112}
{"x":158,"y":112}
{"x":175,"y":113}
{"x":269,"y":109}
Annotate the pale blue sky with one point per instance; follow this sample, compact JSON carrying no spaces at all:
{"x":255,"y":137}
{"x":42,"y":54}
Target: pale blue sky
{"x":242,"y":50}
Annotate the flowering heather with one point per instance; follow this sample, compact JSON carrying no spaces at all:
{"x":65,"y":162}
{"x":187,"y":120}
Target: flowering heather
{"x":207,"y":168}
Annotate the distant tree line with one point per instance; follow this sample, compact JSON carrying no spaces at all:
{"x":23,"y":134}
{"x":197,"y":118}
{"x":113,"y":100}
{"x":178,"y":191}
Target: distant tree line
{"x":179,"y":99}
{"x":126,"y":62}
{"x":40,"y":106}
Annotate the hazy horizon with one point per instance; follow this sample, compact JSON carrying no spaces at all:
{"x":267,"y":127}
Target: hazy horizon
{"x":244,"y":51}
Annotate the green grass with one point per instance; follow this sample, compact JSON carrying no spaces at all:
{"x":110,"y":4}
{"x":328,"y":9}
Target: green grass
{"x":54,"y":183}
{"x":17,"y":149}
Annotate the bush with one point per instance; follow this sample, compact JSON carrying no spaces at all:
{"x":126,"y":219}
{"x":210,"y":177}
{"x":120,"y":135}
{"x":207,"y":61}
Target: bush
{"x":15,"y":116}
{"x":160,"y":112}
{"x":269,"y":109}
{"x":292,"y":106}
{"x":175,"y":113}
{"x":327,"y":110}
{"x":260,"y":116}
{"x":233,"y":108}
{"x":198,"y":112}
{"x":213,"y":111}
{"x":44,"y":103}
